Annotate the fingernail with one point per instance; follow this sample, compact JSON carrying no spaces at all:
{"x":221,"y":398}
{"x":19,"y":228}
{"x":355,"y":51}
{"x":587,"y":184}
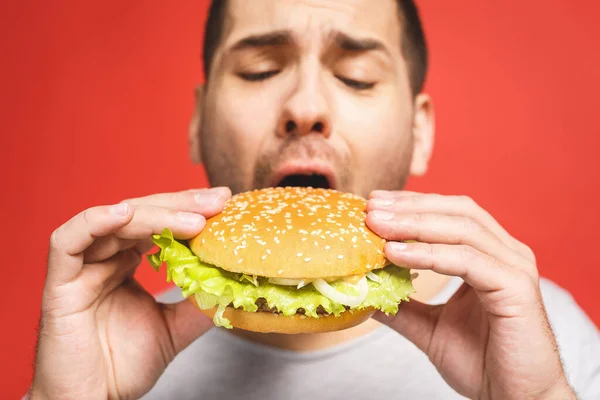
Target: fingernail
{"x":208,"y":199}
{"x":382,"y":215}
{"x":381,"y":202}
{"x":189,"y":218}
{"x":397,"y":246}
{"x":120,"y":209}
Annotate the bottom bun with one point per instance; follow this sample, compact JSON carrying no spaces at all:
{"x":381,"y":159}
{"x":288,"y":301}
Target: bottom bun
{"x":266,"y":322}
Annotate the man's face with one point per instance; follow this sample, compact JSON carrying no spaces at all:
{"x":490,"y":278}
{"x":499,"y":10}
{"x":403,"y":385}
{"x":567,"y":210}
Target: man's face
{"x":309,"y":92}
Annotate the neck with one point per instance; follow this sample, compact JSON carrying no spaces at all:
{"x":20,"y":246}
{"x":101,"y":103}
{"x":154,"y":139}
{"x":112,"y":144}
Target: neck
{"x":427,"y":286}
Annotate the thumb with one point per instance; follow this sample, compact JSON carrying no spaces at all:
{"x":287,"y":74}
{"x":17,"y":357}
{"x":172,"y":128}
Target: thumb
{"x":185,"y":323}
{"x":414,"y":320}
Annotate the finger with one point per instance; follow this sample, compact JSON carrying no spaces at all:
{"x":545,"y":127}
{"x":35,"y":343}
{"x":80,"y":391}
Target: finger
{"x":106,"y":275}
{"x":151,"y":220}
{"x":185,"y":323}
{"x":477,"y":269}
{"x":444,"y":229}
{"x":438,"y":204}
{"x":107,"y":246}
{"x":414,"y":320}
{"x":390,"y":194}
{"x":72,"y":238}
{"x":207,"y":202}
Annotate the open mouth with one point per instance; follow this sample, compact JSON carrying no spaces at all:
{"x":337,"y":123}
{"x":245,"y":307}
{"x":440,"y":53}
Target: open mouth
{"x":305,"y":180}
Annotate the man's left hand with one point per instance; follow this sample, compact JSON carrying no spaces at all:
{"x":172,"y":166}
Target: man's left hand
{"x":492,"y":339}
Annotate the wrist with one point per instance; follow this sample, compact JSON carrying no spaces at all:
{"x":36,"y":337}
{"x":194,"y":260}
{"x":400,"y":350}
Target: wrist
{"x":35,"y":393}
{"x":562,"y":390}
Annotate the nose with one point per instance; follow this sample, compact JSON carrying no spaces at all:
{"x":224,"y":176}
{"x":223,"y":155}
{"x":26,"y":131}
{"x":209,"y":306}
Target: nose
{"x":306,"y":110}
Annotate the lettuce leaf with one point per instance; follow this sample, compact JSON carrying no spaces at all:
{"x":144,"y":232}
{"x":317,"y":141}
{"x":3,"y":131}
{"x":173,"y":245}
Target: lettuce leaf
{"x":215,"y":287}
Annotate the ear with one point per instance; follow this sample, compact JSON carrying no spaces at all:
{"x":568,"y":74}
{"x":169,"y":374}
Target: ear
{"x":423,"y":134}
{"x":195,"y":126}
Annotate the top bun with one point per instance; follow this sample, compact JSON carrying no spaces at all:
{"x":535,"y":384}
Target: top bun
{"x":292,"y":232}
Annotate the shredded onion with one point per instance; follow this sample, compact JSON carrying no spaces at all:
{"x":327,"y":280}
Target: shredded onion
{"x":286,"y":282}
{"x":301,"y":284}
{"x":351,"y":301}
{"x":374,"y":277}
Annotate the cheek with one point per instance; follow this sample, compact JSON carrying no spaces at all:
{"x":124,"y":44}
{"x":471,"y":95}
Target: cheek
{"x":378,"y":133}
{"x":373,"y":127}
{"x":243,"y":121}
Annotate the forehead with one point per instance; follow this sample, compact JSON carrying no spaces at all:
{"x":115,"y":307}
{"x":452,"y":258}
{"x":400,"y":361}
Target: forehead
{"x":314,"y":20}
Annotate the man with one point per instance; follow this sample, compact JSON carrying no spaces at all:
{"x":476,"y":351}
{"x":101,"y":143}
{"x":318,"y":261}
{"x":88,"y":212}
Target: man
{"x":333,"y":89}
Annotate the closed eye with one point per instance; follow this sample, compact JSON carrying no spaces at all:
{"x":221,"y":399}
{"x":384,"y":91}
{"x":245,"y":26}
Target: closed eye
{"x":354,"y":84}
{"x":259,"y":76}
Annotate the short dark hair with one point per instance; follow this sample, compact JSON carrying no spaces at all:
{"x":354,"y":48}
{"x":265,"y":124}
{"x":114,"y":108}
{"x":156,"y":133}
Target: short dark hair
{"x":414,"y":45}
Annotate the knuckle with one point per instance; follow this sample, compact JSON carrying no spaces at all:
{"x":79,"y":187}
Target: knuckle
{"x":130,"y":257}
{"x":55,"y":238}
{"x":435,"y":197}
{"x":467,"y":201}
{"x":417,"y":218}
{"x":471,"y":225}
{"x":432,"y":254}
{"x":175,"y":198}
{"x":467,"y":254}
{"x":528,"y":252}
{"x":430,"y":250}
{"x":86,"y":215}
{"x":525,"y":284}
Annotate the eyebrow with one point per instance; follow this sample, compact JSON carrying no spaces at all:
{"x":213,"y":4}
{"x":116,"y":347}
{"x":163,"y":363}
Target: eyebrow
{"x":349,"y":43}
{"x":275,"y":38}
{"x":285,"y":38}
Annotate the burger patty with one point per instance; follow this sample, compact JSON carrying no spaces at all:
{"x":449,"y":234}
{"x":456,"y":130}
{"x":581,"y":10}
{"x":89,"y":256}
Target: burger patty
{"x":262,"y":305}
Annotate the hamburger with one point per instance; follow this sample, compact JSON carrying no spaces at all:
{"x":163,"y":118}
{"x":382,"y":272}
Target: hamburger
{"x":286,"y":260}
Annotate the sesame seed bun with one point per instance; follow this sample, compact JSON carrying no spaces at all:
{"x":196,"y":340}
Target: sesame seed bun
{"x":266,"y":322}
{"x":292,"y":232}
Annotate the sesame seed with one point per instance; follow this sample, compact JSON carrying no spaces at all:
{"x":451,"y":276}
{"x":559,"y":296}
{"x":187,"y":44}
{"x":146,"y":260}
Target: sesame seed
{"x":240,"y":260}
{"x":280,"y":272}
{"x":327,"y":247}
{"x":340,"y":257}
{"x":307,"y":259}
{"x":263,"y":257}
{"x":268,"y":251}
{"x":299,"y":254}
{"x":303,"y":239}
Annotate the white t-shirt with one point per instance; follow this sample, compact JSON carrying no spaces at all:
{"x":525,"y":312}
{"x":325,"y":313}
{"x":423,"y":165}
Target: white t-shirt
{"x":378,"y":365}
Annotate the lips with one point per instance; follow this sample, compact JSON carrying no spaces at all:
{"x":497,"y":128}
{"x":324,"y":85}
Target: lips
{"x":305,"y":173}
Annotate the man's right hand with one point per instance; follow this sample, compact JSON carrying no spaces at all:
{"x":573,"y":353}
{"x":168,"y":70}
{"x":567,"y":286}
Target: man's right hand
{"x":101,"y":334}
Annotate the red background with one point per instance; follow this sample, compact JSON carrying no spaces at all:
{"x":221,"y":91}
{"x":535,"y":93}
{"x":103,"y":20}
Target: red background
{"x":96,"y":98}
